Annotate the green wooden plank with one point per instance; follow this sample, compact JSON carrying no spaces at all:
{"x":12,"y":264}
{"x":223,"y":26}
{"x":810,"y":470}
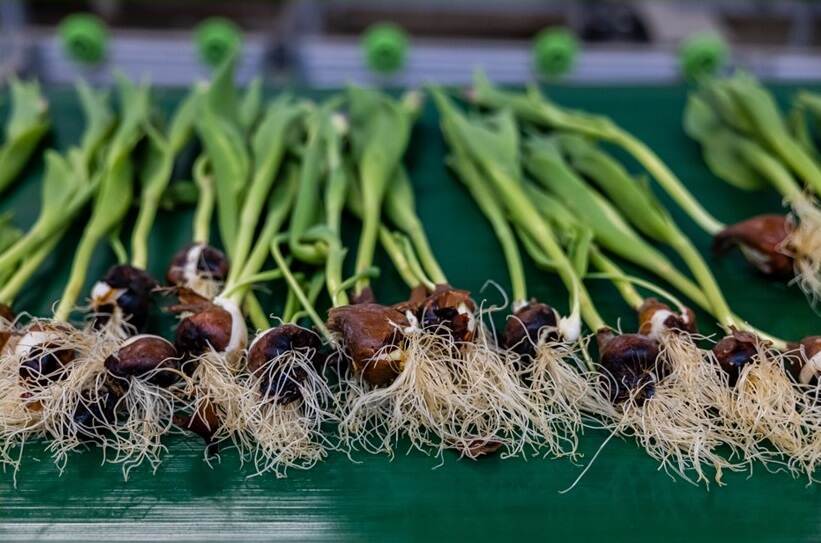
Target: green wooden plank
{"x":623,"y":496}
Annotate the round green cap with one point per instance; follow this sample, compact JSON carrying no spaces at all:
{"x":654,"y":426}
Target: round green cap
{"x":215,"y":38}
{"x":555,"y":51}
{"x":84,"y":37}
{"x":702,"y":54}
{"x":385,"y":46}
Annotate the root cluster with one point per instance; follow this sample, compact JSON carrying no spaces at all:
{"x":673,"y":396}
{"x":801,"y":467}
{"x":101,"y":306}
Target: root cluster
{"x":804,"y":245}
{"x":679,"y":425}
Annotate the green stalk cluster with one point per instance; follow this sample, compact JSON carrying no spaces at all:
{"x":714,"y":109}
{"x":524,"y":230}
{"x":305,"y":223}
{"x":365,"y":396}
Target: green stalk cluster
{"x":745,"y":140}
{"x":492,"y":146}
{"x":115,"y":190}
{"x":67,"y":187}
{"x":534,"y":108}
{"x":26,"y":126}
{"x":380,"y":129}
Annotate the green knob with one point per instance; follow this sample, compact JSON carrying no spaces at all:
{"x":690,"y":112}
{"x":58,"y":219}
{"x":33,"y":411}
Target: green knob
{"x":554,"y":52}
{"x":702,"y":54}
{"x":216,"y":38}
{"x":84,"y":37}
{"x":385,"y":46}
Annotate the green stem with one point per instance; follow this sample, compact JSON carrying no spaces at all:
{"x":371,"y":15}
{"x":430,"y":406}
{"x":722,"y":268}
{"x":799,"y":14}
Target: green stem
{"x":367,"y":245}
{"x":280,"y":205}
{"x":77,"y":277}
{"x":413,"y":261}
{"x":253,"y":310}
{"x":142,"y":229}
{"x":248,"y":281}
{"x":399,"y":259}
{"x":424,"y":253}
{"x":291,"y":306}
{"x":800,"y":162}
{"x":625,"y":288}
{"x":21,"y":276}
{"x":293,"y":284}
{"x":720,"y":309}
{"x":529,"y":219}
{"x":205,"y":203}
{"x":504,"y":234}
{"x":770,"y":168}
{"x":666,"y":178}
{"x":314,"y":289}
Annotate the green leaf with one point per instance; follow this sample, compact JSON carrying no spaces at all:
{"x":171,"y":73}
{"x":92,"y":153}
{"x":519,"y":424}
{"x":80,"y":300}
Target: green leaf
{"x":181,"y":127}
{"x":25,"y":128}
{"x":9,"y":233}
{"x":28,"y":109}
{"x":99,"y":121}
{"x":251,"y":105}
{"x":718,"y":144}
{"x":635,"y":200}
{"x":544,"y":162}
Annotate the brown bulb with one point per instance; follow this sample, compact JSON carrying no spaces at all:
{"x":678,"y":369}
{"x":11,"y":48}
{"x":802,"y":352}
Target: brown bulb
{"x":761,"y":239}
{"x":629,"y":365}
{"x":145,"y":355}
{"x":127,"y":288}
{"x":210,"y":328}
{"x":734,"y":351}
{"x":533,"y":323}
{"x":656,"y":316}
{"x":369,"y":330}
{"x":277,"y":381}
{"x":450,"y":311}
{"x":204,"y":422}
{"x":42,"y":356}
{"x":197,"y":261}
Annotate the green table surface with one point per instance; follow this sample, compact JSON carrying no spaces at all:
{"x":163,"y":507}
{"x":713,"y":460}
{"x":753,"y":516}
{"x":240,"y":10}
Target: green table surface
{"x":623,"y":497}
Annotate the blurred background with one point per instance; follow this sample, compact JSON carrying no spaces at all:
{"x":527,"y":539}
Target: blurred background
{"x":329,"y":43}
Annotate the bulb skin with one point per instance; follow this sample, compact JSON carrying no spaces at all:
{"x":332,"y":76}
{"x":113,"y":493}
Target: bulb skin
{"x":629,"y":365}
{"x":145,"y":357}
{"x":761,"y":239}
{"x":134,"y":287}
{"x":734,"y":351}
{"x":276,"y":381}
{"x":532,"y":323}
{"x":372,"y":336}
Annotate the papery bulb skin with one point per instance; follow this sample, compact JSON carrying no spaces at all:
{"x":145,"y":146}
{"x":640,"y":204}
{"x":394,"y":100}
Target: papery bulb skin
{"x":145,"y":356}
{"x":207,"y":329}
{"x":200,"y":268}
{"x":42,"y":356}
{"x":629,"y":365}
{"x":531,"y":324}
{"x":125,"y":289}
{"x":734,"y":351}
{"x":657,"y":318}
{"x":277,"y":381}
{"x":451,"y":311}
{"x":762,"y":240}
{"x":372,"y":335}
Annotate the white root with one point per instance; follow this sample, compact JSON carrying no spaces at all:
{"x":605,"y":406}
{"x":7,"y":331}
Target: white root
{"x":27,"y":409}
{"x":144,"y":414}
{"x":804,"y":246}
{"x":277,"y":437}
{"x":215,"y":388}
{"x":473,"y":397}
{"x":679,"y":426}
{"x":561,"y":391}
{"x":768,"y":408}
